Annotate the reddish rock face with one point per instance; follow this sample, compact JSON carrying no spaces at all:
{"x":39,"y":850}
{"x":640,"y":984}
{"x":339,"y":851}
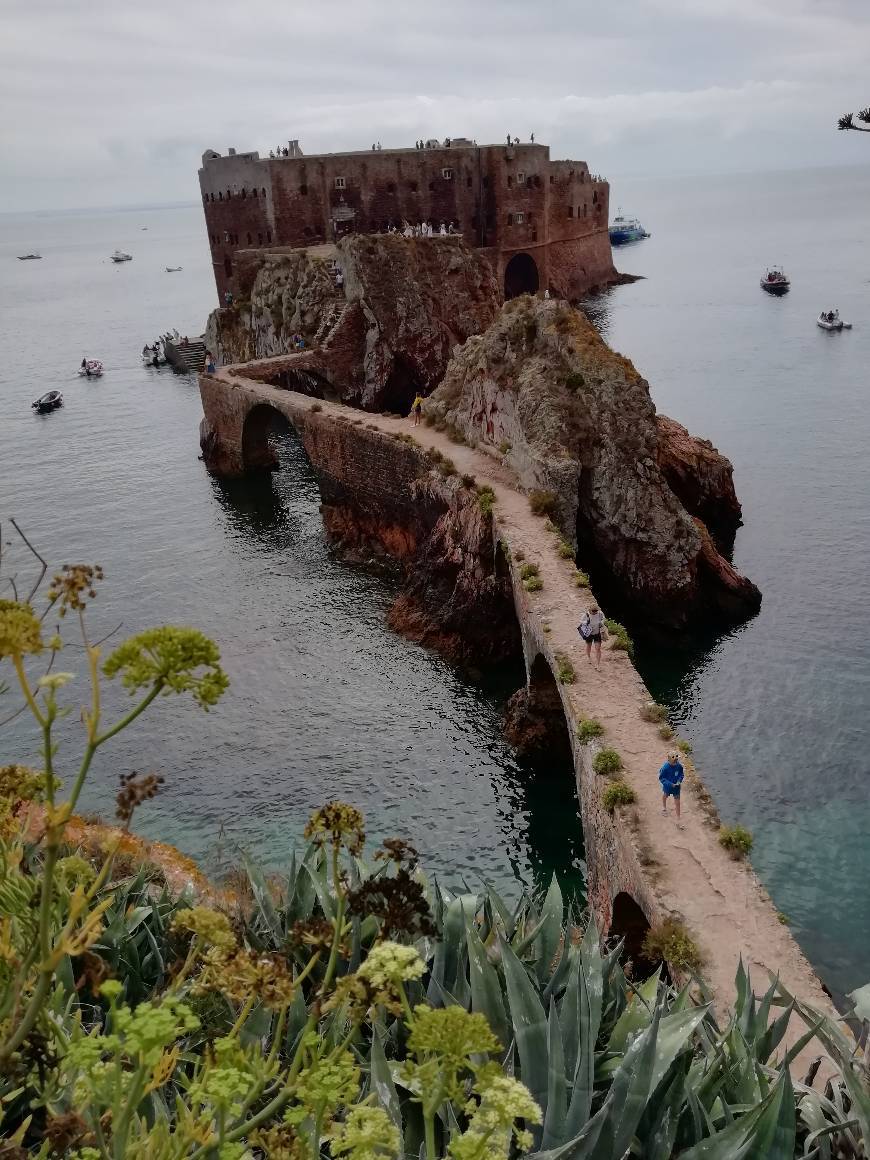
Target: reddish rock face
{"x":574,"y":418}
{"x":702,"y":479}
{"x":384,"y":336}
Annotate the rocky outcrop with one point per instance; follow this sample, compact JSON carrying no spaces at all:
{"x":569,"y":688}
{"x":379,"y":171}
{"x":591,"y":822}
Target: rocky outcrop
{"x":386,"y":334}
{"x":701,"y":478}
{"x":574,"y":418}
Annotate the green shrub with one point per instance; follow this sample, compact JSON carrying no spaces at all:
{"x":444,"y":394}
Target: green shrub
{"x":684,"y":746}
{"x":565,"y":673}
{"x":607,"y":761}
{"x":486,"y":499}
{"x":737,"y":840}
{"x":316,"y":407}
{"x":652,"y":711}
{"x":589,"y":727}
{"x":565,"y":550}
{"x":533,"y":584}
{"x":619,"y":637}
{"x":665,"y":731}
{"x":783,"y":918}
{"x":543,"y":503}
{"x":504,"y":447}
{"x":581,"y":580}
{"x":671,"y":943}
{"x":575,"y":381}
{"x":550,"y":527}
{"x":618,"y":793}
{"x":547,"y":629}
{"x":529,"y":570}
{"x":447,"y":467}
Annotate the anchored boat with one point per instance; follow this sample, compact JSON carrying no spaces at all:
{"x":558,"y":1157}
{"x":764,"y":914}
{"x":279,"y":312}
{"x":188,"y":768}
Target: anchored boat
{"x":50,"y":401}
{"x":29,"y":257}
{"x":625,"y":229}
{"x":831,"y":320}
{"x":775,"y":281}
{"x":91,"y":368}
{"x":120,"y":256}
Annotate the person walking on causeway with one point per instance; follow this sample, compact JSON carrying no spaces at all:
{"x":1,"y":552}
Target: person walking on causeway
{"x":671,"y":778}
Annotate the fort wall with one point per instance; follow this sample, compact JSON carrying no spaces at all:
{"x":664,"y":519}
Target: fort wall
{"x":506,"y":200}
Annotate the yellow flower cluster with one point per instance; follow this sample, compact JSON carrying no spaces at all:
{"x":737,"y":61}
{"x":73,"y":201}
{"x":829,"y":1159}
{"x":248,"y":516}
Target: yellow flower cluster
{"x":20,"y":630}
{"x":209,"y":926}
{"x":492,"y":1121}
{"x":367,"y":1133}
{"x":241,"y":974}
{"x":172,"y":659}
{"x":338,"y":823}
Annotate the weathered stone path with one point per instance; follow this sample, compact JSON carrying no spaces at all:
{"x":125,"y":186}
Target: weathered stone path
{"x":666,"y":867}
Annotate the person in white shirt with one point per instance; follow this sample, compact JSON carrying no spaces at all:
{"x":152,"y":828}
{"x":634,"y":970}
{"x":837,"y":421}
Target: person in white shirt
{"x":593,"y":629}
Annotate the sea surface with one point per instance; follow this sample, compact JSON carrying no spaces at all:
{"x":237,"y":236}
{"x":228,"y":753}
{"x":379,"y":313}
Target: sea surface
{"x":325,"y":702}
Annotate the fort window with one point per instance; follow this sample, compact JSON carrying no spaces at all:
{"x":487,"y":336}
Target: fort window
{"x":521,"y":177}
{"x":250,"y":240}
{"x":585,"y":209}
{"x":259,"y":238}
{"x":307,"y":231}
{"x":340,"y":183}
{"x":570,"y":211}
{"x":486,"y":183}
{"x":391,"y":187}
{"x":510,"y":181}
{"x":552,"y":179}
{"x":595,"y":197}
{"x":254,"y":191}
{"x":263,"y":191}
{"x":468,"y":182}
{"x":519,"y":218}
{"x":413,"y":186}
{"x":510,"y":219}
{"x":431,"y":184}
{"x":303,"y":191}
{"x":447,"y":174}
{"x":268,"y":235}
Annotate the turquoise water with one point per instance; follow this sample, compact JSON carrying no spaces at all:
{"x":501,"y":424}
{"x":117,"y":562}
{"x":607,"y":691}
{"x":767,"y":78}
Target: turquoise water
{"x":326,"y":702}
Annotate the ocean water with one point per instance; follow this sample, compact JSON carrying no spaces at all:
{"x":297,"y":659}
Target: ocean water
{"x":326,"y":702}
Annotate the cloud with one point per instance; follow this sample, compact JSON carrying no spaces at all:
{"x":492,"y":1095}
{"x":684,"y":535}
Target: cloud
{"x":114,"y":102}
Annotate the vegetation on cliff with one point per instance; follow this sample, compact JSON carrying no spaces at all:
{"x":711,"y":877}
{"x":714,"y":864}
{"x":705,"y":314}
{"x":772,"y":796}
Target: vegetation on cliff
{"x":341,"y":1010}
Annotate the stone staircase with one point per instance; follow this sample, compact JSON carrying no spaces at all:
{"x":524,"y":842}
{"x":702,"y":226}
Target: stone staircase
{"x":185,"y":357}
{"x":329,"y":321}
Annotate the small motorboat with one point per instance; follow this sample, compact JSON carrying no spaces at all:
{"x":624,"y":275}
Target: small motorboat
{"x":173,"y":269}
{"x":831,"y":320}
{"x":775,"y":281}
{"x":29,"y":257}
{"x":153,"y":356}
{"x":50,"y":401}
{"x":91,"y":368}
{"x":120,"y":256}
{"x":625,"y":229}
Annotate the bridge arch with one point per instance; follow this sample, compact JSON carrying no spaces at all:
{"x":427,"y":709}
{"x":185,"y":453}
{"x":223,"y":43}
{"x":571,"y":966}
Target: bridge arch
{"x":264,"y":426}
{"x":630,"y":923}
{"x":521,"y":276}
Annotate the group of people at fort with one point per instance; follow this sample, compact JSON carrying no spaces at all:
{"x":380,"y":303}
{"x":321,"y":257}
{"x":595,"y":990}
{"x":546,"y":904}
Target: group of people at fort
{"x":425,"y":230}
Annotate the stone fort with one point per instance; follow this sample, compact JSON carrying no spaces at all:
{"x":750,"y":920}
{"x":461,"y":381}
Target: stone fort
{"x":542,"y":224}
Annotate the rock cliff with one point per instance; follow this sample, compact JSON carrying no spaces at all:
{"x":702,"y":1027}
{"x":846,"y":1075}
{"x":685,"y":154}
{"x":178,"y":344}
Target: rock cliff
{"x":385,"y":334}
{"x":574,"y":418}
{"x":702,"y":479}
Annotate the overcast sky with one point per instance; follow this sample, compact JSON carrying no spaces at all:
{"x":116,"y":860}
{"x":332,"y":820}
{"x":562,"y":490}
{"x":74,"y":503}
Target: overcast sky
{"x":112,"y":102}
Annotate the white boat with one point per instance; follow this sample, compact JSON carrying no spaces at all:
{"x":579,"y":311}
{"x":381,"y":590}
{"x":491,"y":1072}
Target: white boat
{"x":120,"y":256}
{"x":831,"y":320}
{"x":91,"y":368}
{"x":153,"y":356}
{"x":29,"y":257}
{"x":173,"y":269}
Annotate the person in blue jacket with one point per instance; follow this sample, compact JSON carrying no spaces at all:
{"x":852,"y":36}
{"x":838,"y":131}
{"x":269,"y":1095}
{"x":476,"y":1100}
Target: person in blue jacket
{"x":671,"y":777}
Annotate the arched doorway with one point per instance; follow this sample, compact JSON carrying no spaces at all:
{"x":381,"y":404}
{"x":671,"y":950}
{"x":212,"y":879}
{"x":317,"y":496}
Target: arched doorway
{"x":630,"y":923}
{"x":265,"y":428}
{"x":520,"y":276}
{"x":401,"y":387}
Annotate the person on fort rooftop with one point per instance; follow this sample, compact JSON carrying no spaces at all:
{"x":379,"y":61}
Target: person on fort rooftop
{"x":671,"y":778}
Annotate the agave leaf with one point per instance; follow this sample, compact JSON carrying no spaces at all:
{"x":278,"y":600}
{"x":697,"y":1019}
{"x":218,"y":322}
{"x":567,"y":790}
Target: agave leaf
{"x":590,"y":998}
{"x":529,"y":1023}
{"x":559,"y":978}
{"x":631,"y":1089}
{"x":382,"y":1080}
{"x":741,"y":986}
{"x":675,"y":1031}
{"x":523,"y":939}
{"x":773,"y":1136}
{"x":550,"y":934}
{"x":448,"y":949}
{"x":486,"y":992}
{"x":257,"y":1025}
{"x":317,"y":875}
{"x":570,"y":1011}
{"x":554,"y":1121}
{"x":637,"y":1015}
{"x":502,"y":912}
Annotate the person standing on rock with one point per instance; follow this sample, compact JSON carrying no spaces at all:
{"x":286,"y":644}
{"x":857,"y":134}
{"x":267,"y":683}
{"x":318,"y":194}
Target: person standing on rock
{"x":671,"y":777}
{"x":592,"y":629}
